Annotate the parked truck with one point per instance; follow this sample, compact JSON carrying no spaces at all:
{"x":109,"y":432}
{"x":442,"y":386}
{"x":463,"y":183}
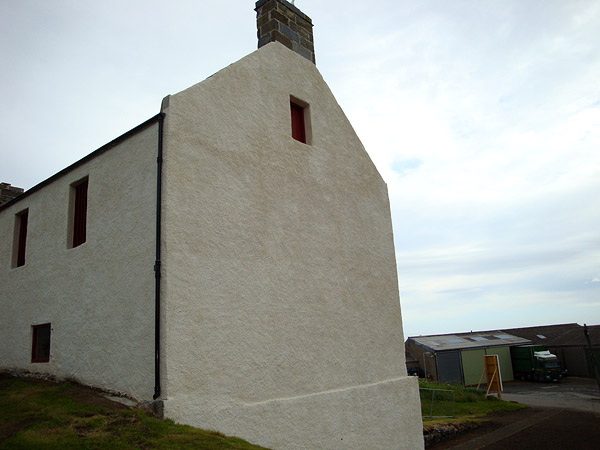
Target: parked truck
{"x":534,"y":362}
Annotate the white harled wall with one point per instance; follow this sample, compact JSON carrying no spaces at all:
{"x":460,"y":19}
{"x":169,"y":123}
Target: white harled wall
{"x":99,"y":297}
{"x":282,"y":318}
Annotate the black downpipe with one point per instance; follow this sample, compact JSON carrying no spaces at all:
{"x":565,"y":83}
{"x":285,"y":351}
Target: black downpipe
{"x":159,"y":160}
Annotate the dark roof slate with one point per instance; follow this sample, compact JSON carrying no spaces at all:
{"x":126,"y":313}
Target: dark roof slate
{"x":547,"y":334}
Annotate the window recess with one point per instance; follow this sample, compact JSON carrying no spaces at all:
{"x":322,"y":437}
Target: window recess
{"x":20,"y":239}
{"x":40,"y":348}
{"x":78,"y":213}
{"x":300,"y":120}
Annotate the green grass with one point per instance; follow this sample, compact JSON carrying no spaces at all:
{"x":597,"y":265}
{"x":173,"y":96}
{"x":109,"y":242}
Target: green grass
{"x":469,"y":402}
{"x":41,"y":415}
{"x":36,"y":414}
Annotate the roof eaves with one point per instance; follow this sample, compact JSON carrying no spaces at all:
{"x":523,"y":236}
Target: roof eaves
{"x":83,"y":160}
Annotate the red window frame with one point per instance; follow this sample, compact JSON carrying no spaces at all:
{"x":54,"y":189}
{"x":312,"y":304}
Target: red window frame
{"x":298,"y":123}
{"x":22,"y":241}
{"x":80,"y":213}
{"x":40,"y":354}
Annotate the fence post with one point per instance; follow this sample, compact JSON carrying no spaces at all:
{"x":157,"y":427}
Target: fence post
{"x":431,"y":410}
{"x":423,"y":392}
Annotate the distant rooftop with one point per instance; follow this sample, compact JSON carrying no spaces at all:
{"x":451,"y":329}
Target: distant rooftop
{"x":567,"y":334}
{"x":462,"y":341}
{"x":548,"y":334}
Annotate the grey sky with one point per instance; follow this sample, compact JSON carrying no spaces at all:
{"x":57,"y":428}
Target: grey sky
{"x":482,"y":116}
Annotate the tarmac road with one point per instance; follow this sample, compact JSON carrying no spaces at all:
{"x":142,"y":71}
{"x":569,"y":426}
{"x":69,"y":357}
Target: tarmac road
{"x":537,"y":428}
{"x":563,"y":415}
{"x":580,"y":394}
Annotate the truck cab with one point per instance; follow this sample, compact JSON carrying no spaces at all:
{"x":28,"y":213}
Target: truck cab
{"x":535,"y":363}
{"x":547,"y":367}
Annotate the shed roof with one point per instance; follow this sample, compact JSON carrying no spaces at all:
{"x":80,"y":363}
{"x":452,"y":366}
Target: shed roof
{"x":463,"y":341}
{"x":555,"y":335}
{"x":576,"y":337}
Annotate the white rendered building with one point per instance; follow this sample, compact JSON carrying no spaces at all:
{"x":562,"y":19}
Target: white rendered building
{"x":231,"y":258}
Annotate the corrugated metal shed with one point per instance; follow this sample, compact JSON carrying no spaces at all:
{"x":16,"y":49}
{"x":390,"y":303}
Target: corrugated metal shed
{"x":458,"y":358}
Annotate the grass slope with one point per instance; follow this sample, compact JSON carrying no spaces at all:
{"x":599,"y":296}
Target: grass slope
{"x":469,"y":403}
{"x":40,"y":414}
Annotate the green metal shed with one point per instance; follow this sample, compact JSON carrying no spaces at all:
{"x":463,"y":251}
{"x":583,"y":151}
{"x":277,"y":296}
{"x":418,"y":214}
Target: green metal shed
{"x":459,"y":358}
{"x":472,"y":363}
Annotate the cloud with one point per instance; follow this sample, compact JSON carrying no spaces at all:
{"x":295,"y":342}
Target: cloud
{"x":482,"y":117}
{"x":484,"y":121}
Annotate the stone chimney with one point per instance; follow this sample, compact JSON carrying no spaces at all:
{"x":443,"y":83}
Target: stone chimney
{"x":281,"y":21}
{"x":8,"y":192}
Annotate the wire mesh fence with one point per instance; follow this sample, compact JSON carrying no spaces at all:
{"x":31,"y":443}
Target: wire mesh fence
{"x":437,"y":403}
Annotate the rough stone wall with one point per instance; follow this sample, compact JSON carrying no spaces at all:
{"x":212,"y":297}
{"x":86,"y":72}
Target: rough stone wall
{"x":279,"y":20}
{"x":8,"y":192}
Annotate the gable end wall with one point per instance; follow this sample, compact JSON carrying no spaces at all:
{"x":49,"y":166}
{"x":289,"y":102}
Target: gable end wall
{"x":281,"y":298}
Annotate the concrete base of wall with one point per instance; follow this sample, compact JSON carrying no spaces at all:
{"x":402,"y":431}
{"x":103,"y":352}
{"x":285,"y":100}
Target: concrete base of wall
{"x":384,"y":415}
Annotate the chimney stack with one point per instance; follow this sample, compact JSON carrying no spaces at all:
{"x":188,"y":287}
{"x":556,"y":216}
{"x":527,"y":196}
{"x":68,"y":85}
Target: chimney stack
{"x":8,"y":192}
{"x":281,"y":21}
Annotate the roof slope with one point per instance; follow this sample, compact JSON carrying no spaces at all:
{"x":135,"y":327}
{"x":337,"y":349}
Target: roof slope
{"x":567,"y":334}
{"x":562,"y":334}
{"x":463,"y":341}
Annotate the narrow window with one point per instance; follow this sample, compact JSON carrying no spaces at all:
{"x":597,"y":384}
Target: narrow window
{"x":79,"y":212}
{"x":298,"y":127}
{"x":20,"y":238}
{"x":40,"y":349}
{"x":300,"y":115}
